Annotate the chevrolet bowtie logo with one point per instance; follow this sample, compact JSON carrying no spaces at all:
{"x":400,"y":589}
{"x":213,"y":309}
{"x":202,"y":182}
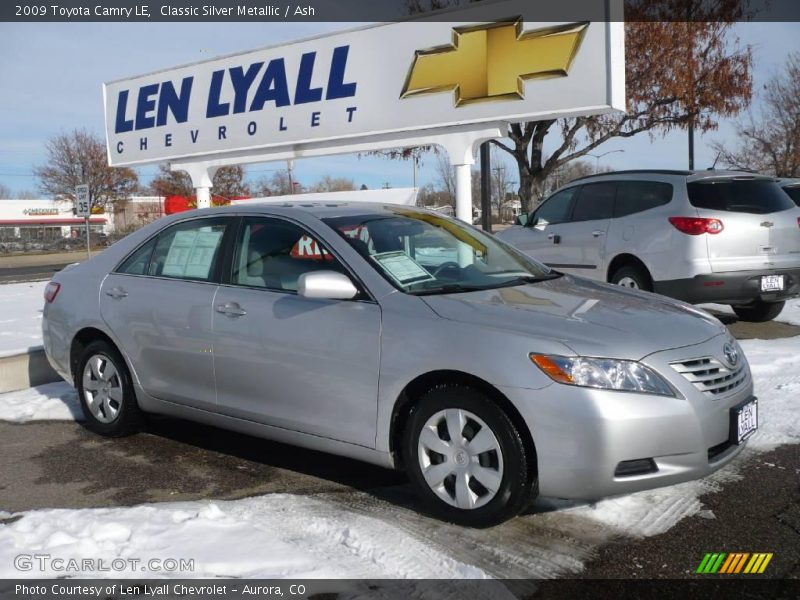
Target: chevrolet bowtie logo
{"x":491,"y":62}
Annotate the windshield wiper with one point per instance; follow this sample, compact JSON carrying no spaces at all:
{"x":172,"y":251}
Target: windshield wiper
{"x":452,"y":288}
{"x":531,"y":279}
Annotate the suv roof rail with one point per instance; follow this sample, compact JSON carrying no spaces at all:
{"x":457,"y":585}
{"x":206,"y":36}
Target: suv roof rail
{"x":642,"y":171}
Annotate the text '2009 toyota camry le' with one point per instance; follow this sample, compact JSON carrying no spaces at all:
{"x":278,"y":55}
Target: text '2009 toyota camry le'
{"x":404,"y":338}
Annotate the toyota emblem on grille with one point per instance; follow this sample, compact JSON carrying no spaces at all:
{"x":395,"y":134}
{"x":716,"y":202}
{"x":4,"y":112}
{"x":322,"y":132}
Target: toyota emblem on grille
{"x":731,"y":354}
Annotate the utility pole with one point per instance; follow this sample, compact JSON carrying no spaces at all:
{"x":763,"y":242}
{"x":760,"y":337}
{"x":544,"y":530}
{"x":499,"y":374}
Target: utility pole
{"x":486,"y":188}
{"x":290,"y":168}
{"x":414,"y":161}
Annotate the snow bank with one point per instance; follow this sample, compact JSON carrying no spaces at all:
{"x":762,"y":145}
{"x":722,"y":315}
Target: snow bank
{"x":52,"y":401}
{"x":275,"y":536}
{"x":21,"y":317}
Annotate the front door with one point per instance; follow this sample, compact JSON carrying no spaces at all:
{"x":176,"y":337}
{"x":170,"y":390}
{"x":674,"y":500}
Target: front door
{"x":303,"y":364}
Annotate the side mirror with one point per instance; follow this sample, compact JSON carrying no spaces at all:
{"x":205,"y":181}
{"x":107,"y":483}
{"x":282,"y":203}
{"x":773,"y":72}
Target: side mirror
{"x":522,"y":219}
{"x":326,"y":284}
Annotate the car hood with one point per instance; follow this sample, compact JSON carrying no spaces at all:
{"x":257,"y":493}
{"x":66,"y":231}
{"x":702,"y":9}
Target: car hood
{"x":593,"y":319}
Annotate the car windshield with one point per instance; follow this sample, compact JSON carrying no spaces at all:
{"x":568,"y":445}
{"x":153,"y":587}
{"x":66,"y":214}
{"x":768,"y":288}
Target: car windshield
{"x":754,"y":196}
{"x":422,"y":253}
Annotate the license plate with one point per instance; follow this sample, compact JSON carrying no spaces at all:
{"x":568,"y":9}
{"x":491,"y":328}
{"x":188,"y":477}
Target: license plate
{"x":744,"y":421}
{"x":771,"y":283}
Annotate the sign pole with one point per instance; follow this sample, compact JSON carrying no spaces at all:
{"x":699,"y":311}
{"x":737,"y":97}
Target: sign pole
{"x":83,"y":208}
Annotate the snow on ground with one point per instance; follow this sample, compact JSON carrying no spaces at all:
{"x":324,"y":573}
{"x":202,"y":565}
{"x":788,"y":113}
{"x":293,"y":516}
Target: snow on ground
{"x":52,"y":401}
{"x":790,"y":313}
{"x":21,"y":317}
{"x":274,"y":536}
{"x":281,"y":535}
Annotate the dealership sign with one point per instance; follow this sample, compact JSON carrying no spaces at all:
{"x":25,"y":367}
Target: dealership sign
{"x":365,"y":83}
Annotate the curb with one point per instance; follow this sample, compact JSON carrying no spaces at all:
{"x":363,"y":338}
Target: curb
{"x":22,"y":371}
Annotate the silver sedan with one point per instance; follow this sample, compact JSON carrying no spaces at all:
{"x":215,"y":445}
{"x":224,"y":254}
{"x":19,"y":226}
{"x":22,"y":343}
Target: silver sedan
{"x":403,"y":338}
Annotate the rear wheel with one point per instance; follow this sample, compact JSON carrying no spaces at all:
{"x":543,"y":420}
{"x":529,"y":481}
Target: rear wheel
{"x":106,"y":392}
{"x":633,"y":277}
{"x":759,"y":311}
{"x":466,"y":458}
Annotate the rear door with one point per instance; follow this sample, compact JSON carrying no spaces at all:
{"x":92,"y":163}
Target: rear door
{"x":760,"y":229}
{"x":158,"y":304}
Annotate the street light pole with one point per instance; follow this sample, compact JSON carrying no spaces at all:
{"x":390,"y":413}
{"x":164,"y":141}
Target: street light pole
{"x":597,"y":157}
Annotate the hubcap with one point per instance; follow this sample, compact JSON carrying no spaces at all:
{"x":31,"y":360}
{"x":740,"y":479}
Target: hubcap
{"x":628,"y":282}
{"x":460,"y":458}
{"x":102,"y":388}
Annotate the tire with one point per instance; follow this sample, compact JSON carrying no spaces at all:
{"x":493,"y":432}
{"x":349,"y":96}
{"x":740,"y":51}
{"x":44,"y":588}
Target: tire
{"x":117,"y":412}
{"x":759,"y":311}
{"x":633,"y":277}
{"x":506,"y":466}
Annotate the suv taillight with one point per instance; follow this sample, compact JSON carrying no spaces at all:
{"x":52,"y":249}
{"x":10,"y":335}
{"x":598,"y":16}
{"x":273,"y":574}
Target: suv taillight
{"x":696,"y":225}
{"x":51,"y":291}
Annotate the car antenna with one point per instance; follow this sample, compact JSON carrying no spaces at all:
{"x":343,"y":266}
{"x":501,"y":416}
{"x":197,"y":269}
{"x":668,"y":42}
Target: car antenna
{"x":714,"y":166}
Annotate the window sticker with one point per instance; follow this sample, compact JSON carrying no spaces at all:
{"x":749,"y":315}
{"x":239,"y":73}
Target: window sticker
{"x":191,"y":254}
{"x":402,"y":268}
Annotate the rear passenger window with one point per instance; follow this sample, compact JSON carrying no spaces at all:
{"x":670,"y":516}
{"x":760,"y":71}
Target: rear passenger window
{"x":271,"y":253}
{"x":637,"y":196}
{"x":189,"y":250}
{"x":596,"y":201}
{"x":136,"y":263}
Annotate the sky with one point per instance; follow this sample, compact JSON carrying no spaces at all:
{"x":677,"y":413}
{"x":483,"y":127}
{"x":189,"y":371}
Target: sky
{"x":52,"y":75}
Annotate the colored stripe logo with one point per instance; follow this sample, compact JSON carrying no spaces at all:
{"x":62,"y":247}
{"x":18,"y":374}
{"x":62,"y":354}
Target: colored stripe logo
{"x":734,"y":563}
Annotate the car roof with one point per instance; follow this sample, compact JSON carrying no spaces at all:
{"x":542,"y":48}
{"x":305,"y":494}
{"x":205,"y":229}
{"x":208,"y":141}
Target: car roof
{"x":790,"y":182}
{"x":695,"y":175}
{"x":318,"y":209}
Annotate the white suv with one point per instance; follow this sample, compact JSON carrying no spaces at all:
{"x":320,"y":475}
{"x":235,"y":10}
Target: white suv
{"x":700,"y":236}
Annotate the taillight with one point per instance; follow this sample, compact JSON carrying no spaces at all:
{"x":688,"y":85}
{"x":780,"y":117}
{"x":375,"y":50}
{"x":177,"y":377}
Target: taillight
{"x":51,"y":291}
{"x":696,"y":225}
{"x":798,"y":221}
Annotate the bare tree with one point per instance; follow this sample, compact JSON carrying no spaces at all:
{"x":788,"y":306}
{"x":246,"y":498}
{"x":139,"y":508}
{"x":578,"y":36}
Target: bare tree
{"x":26,"y":195}
{"x":446,"y":177}
{"x":333,"y":184}
{"x":276,"y":184}
{"x":770,"y":141}
{"x":5,"y":192}
{"x":228,"y":182}
{"x":80,"y":158}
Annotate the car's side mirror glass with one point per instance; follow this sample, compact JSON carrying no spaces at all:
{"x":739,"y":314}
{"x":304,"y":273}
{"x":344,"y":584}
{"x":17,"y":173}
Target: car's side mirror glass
{"x":522,"y":219}
{"x":326,"y":284}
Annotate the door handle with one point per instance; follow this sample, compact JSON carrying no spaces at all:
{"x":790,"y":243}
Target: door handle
{"x":598,"y":233}
{"x":231,"y":309}
{"x":554,"y":237}
{"x":116,"y":293}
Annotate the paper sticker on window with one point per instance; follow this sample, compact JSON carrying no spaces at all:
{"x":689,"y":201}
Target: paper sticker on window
{"x":191,"y":254}
{"x":401,"y":267}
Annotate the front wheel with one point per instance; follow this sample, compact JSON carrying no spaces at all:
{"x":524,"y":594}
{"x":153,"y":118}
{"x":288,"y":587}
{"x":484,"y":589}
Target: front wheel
{"x":759,"y":311}
{"x":466,"y":458}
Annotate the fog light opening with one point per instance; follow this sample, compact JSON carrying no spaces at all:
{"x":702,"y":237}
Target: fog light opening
{"x":640,"y":466}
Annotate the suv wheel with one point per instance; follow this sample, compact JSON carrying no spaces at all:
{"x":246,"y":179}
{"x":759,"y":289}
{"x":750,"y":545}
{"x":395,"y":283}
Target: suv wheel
{"x":466,"y":458}
{"x":759,"y":311}
{"x":106,"y":392}
{"x":633,"y":277}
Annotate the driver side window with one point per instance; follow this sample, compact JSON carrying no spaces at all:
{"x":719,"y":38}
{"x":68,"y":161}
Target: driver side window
{"x":556,"y":209}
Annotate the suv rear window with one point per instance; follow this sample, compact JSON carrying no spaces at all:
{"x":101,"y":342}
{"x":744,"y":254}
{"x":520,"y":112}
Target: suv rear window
{"x":794,"y":193}
{"x":637,"y":196}
{"x":755,"y":196}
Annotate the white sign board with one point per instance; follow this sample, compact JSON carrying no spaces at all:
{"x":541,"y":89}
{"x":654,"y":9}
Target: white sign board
{"x":83,"y":207}
{"x":364,"y":83}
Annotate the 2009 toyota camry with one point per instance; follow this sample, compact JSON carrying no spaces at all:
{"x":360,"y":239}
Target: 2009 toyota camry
{"x":403,"y":338}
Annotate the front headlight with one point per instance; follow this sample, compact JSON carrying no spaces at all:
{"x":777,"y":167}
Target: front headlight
{"x":602,"y":373}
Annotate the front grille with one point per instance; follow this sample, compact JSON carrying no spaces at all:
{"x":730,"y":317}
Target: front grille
{"x":710,"y":376}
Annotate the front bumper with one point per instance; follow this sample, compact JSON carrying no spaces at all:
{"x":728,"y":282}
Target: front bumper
{"x":583,"y":435}
{"x":734,"y":287}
